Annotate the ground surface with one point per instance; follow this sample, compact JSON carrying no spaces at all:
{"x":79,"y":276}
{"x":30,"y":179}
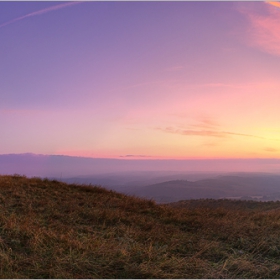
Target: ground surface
{"x":49,"y":229}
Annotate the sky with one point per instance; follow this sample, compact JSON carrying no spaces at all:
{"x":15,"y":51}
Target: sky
{"x":140,"y":80}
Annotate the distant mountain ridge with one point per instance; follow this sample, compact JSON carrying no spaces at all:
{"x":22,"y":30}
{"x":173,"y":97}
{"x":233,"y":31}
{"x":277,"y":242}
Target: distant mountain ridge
{"x":263,"y":188}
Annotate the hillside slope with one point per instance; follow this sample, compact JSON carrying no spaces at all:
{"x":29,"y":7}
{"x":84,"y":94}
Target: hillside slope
{"x":49,"y":229}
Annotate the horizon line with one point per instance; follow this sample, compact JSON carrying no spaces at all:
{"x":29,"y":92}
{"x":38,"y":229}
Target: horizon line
{"x":146,"y":158}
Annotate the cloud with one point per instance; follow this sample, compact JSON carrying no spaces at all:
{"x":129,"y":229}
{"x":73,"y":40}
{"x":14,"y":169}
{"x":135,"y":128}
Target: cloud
{"x":204,"y":127}
{"x":264,"y":30}
{"x":22,"y":112}
{"x":205,"y":123}
{"x":210,"y":144}
{"x":270,"y":150}
{"x":135,"y":156}
{"x":276,"y":4}
{"x":40,"y":12}
{"x":205,"y":133}
{"x":174,"y":68}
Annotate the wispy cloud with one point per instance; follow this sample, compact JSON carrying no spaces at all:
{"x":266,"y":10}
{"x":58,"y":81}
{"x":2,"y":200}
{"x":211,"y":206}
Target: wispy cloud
{"x":40,"y":12}
{"x":9,"y":112}
{"x":210,"y":144}
{"x":272,"y":150}
{"x":205,"y":133}
{"x":276,"y":4}
{"x":174,"y":68}
{"x":135,"y":156}
{"x":205,"y":124}
{"x":264,"y":30}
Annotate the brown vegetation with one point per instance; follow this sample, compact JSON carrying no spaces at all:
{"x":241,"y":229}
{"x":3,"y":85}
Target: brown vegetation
{"x":49,"y":229}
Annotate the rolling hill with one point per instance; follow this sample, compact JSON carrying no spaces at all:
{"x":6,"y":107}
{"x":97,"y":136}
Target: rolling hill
{"x":50,"y":229}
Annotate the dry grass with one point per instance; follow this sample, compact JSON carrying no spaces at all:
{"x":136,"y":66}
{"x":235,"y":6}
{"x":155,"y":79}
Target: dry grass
{"x":49,"y":229}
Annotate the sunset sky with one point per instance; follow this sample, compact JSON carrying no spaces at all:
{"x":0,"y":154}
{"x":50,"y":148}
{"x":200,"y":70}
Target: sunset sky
{"x":164,"y":80}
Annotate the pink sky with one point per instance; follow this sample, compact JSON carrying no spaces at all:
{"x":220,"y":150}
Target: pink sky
{"x":178,"y":80}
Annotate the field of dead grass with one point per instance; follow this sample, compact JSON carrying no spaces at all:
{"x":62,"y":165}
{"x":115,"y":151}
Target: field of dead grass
{"x":49,"y":229}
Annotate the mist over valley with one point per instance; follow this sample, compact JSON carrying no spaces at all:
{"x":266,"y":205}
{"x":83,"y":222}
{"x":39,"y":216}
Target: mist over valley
{"x":164,"y":181}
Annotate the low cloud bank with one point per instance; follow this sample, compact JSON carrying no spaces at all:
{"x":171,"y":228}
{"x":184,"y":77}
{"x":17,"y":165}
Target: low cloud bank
{"x":62,"y":166}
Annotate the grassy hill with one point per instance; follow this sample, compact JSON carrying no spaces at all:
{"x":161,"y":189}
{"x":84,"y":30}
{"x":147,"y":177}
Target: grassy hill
{"x":49,"y":229}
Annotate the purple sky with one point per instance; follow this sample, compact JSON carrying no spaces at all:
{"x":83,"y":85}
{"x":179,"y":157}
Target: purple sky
{"x":143,"y":79}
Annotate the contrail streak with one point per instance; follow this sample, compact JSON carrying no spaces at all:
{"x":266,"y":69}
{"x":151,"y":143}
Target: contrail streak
{"x":40,"y":12}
